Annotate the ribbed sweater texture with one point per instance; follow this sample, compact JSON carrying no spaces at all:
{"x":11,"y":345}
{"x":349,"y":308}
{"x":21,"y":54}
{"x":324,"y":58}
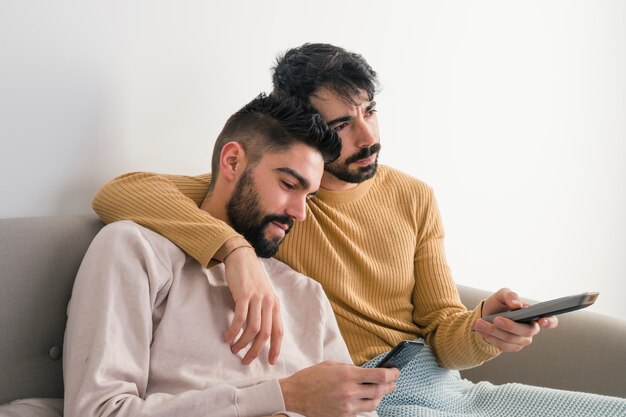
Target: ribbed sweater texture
{"x":377,"y":250}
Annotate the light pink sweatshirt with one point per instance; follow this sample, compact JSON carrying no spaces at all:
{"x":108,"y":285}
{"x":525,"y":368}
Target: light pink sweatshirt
{"x":145,"y":334}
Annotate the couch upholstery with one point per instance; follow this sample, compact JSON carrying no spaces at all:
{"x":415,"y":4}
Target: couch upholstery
{"x":39,"y":258}
{"x":586,"y":352}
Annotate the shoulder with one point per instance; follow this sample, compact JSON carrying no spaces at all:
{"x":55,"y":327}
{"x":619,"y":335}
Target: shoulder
{"x":131,"y":254}
{"x":131,"y":238}
{"x":390,"y":177}
{"x":391,"y":183}
{"x":290,"y":281}
{"x":202,"y":179}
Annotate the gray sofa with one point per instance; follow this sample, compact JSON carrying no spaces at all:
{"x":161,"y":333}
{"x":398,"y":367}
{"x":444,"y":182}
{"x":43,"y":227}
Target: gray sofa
{"x":39,"y":258}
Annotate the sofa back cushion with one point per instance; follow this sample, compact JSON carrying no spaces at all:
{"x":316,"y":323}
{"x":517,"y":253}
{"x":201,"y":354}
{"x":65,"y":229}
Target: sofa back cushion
{"x":39,"y":258}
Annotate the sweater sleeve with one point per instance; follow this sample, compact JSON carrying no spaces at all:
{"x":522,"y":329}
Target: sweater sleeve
{"x":445,"y":322}
{"x":109,"y":334}
{"x":168,"y":205}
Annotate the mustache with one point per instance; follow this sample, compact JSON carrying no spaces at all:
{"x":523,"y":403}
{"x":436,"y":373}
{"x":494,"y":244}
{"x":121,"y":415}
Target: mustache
{"x":279,"y":219}
{"x":364,"y":153}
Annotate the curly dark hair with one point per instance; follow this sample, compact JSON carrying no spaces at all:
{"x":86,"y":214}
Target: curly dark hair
{"x":301,"y":72}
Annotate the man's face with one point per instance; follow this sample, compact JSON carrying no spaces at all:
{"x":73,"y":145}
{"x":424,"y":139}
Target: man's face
{"x":270,"y":196}
{"x":357,"y":126}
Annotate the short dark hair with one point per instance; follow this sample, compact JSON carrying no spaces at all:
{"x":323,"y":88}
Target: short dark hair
{"x":273,"y":124}
{"x":302,"y":71}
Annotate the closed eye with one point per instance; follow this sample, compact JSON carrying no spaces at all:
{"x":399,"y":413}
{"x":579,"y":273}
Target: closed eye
{"x":287,"y":185}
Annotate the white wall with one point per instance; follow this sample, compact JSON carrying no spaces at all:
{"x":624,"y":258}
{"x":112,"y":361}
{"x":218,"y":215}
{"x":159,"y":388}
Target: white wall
{"x":513,"y":111}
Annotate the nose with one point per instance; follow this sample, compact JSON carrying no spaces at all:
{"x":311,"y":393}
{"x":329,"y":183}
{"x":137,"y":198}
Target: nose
{"x":365,"y":136}
{"x":297,"y":209}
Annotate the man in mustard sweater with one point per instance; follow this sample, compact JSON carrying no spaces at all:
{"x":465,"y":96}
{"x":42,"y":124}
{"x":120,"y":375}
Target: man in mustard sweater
{"x":373,"y":238}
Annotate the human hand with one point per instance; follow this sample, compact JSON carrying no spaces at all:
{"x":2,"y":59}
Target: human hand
{"x":332,"y":389}
{"x":256,"y":305}
{"x":504,"y":333}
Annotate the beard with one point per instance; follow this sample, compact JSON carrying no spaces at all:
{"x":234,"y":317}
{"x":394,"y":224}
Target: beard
{"x":246,"y":216}
{"x":341,"y":169}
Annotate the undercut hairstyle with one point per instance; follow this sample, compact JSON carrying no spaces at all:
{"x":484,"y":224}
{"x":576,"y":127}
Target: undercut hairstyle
{"x":302,"y":71}
{"x":272,"y":124}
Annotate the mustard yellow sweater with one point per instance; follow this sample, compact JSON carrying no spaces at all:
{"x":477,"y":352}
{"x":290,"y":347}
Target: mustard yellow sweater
{"x":377,"y":250}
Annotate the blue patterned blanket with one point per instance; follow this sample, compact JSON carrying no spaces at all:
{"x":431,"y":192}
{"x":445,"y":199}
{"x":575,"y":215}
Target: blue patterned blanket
{"x":426,"y":389}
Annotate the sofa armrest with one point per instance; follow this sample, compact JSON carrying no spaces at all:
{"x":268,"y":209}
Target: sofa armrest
{"x":586,"y":352}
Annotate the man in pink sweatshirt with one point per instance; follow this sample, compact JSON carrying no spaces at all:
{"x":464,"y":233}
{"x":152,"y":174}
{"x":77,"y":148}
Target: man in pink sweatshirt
{"x":146,"y":322}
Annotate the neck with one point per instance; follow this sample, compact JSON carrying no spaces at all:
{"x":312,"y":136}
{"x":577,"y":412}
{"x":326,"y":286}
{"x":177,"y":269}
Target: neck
{"x":216,"y":207}
{"x":332,"y":183}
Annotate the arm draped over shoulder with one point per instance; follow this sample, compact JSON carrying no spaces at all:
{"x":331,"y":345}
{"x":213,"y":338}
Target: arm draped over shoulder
{"x":377,"y":250}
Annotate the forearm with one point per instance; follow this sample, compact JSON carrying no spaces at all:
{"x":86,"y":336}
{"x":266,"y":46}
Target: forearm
{"x":455,"y":344}
{"x":217,"y":401}
{"x":445,"y":322}
{"x":167,"y":205}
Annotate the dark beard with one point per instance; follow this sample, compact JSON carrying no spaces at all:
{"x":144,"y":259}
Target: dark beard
{"x":246,"y":217}
{"x":342,"y":171}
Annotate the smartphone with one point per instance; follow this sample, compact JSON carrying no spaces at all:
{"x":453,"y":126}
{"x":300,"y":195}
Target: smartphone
{"x":547,"y":308}
{"x":401,"y":354}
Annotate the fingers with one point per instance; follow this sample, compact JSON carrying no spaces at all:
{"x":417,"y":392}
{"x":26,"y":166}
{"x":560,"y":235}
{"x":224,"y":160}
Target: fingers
{"x":336,"y":389}
{"x":263,"y":323}
{"x":375,"y":391}
{"x":507,"y":335}
{"x":376,"y":383}
{"x":371,"y":393}
{"x":508,"y":326}
{"x":377,"y":375}
{"x":260,"y":334}
{"x":548,"y":322}
{"x":503,"y":299}
{"x":253,"y":325}
{"x":509,"y":298}
{"x":276,"y":339}
{"x":368,"y":405}
{"x":257,"y":308}
{"x":257,"y":313}
{"x":241,"y":312}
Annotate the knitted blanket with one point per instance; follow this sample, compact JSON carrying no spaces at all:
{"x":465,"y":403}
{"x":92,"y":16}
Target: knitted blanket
{"x":426,"y":389}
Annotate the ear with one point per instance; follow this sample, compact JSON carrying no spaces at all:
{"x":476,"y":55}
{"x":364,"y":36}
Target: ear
{"x":232,"y":160}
